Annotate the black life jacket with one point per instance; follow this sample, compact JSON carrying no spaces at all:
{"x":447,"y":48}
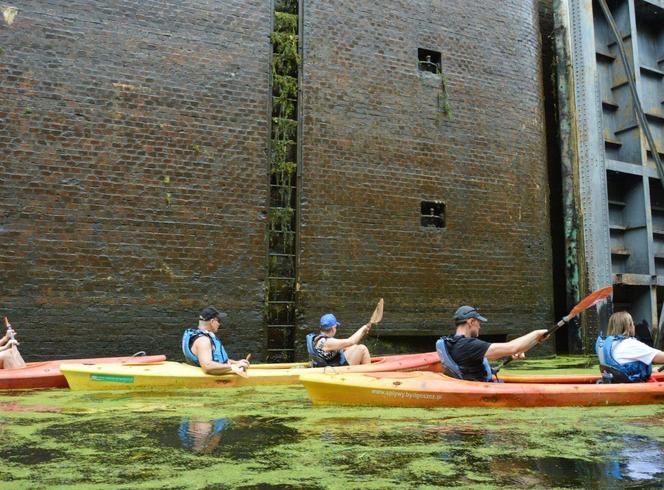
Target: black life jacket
{"x":338,"y":359}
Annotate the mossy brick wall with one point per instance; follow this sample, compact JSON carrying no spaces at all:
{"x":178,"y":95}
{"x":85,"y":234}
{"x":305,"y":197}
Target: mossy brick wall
{"x":133,"y":141}
{"x":134,"y":171}
{"x":375,"y":146}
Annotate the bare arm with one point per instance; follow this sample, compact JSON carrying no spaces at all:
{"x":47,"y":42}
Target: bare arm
{"x":516,"y":346}
{"x":659,"y":358}
{"x":336,"y":344}
{"x":203,"y":350}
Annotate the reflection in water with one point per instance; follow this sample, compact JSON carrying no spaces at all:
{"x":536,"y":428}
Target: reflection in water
{"x":237,"y":437}
{"x":640,"y":460}
{"x":202,"y":437}
{"x":643,"y":459}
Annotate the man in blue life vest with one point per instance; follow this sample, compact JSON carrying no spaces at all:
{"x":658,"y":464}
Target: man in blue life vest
{"x":471,"y":355}
{"x":201,"y":347}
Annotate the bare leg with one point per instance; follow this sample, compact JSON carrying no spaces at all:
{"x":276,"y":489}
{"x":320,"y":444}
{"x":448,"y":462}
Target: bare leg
{"x":11,"y":359}
{"x":357,"y":354}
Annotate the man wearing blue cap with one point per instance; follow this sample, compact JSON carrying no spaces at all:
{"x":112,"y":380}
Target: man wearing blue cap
{"x":325,"y":350}
{"x":470,"y":353}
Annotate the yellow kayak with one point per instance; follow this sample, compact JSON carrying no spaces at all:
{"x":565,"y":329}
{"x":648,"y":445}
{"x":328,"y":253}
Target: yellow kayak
{"x":172,"y":375}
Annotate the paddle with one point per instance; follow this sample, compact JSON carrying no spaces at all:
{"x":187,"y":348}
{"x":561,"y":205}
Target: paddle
{"x":377,"y":314}
{"x":590,"y":300}
{"x":247,"y":359}
{"x":11,"y":333}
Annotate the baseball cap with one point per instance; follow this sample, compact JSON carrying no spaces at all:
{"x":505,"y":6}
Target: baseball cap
{"x":466,"y":313}
{"x":328,"y":321}
{"x":211,"y":312}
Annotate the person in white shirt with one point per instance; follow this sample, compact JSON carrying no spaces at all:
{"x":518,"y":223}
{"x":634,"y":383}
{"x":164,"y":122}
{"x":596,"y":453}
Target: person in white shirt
{"x":630,"y":349}
{"x":621,"y":355}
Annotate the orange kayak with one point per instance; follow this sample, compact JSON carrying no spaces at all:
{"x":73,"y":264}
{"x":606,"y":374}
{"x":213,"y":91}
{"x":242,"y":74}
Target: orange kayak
{"x":421,"y":389}
{"x":561,"y":378}
{"x":47,"y":374}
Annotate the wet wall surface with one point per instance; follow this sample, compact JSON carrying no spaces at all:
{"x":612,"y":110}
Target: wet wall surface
{"x":135,"y":171}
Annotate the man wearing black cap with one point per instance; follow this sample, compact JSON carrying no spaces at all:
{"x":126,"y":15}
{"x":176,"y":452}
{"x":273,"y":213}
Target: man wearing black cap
{"x":201,"y":347}
{"x":469,"y":352}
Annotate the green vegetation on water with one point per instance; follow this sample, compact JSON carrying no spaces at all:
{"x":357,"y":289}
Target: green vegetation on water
{"x":274,"y":438}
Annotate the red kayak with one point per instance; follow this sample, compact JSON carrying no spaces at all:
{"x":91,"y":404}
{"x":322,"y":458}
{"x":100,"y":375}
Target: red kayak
{"x":46,"y":374}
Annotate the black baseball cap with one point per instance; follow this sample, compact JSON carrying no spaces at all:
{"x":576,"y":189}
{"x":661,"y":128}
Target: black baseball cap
{"x":466,"y":313}
{"x":210,"y":313}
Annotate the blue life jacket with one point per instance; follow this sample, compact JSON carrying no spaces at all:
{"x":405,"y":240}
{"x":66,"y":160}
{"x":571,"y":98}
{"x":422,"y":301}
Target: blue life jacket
{"x":451,"y":368}
{"x":317,"y":360}
{"x":630,"y":372}
{"x":218,"y":352}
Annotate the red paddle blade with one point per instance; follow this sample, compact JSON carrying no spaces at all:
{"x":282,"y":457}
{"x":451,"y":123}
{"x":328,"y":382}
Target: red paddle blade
{"x":590,"y":300}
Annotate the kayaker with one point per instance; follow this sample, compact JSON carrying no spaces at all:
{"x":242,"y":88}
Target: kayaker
{"x":201,"y":347}
{"x":325,"y":350}
{"x":10,"y":357}
{"x":467,"y":357}
{"x":623,"y":358}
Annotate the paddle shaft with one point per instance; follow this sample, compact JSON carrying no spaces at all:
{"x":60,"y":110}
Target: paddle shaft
{"x":582,"y":305}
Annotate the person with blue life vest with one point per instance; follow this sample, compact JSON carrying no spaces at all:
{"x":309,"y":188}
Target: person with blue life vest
{"x":464,"y":356}
{"x":623,"y":358}
{"x":201,"y":347}
{"x":325,"y":350}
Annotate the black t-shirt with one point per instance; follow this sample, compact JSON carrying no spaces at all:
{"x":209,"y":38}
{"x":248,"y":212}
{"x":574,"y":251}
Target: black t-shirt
{"x":468,"y":353}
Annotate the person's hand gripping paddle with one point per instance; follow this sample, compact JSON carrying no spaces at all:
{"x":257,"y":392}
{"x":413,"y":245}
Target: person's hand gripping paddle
{"x":242,"y":370}
{"x":592,"y":299}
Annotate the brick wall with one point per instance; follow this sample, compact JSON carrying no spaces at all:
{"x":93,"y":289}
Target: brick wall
{"x":133,"y":169}
{"x":375,"y":146}
{"x":134,"y":173}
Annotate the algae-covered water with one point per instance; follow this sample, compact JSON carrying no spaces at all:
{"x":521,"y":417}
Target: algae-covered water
{"x":273,"y":438}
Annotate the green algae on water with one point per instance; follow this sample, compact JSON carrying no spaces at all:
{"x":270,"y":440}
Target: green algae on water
{"x":274,"y":438}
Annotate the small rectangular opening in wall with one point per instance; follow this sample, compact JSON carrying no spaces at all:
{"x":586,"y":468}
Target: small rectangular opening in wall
{"x":432,"y":214}
{"x":428,"y":60}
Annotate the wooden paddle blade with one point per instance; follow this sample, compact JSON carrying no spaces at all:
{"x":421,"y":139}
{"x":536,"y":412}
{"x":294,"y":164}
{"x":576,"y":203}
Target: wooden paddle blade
{"x":7,"y":323}
{"x":377,"y":315}
{"x":590,"y":300}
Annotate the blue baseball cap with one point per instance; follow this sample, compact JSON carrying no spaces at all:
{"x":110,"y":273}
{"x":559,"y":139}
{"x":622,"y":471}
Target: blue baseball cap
{"x":466,"y":313}
{"x":328,"y":321}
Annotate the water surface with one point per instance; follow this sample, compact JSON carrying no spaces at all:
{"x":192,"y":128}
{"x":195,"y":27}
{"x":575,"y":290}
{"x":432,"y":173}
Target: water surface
{"x":264,"y":438}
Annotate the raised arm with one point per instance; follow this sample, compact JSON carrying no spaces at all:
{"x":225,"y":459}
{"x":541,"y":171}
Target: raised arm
{"x":336,"y":344}
{"x":515,"y":346}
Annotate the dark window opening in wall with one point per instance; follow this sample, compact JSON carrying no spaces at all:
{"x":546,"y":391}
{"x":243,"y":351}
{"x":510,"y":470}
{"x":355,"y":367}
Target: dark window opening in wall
{"x":428,"y":60}
{"x":432,"y":214}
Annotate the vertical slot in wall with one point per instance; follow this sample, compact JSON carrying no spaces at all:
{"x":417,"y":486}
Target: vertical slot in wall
{"x":281,"y":281}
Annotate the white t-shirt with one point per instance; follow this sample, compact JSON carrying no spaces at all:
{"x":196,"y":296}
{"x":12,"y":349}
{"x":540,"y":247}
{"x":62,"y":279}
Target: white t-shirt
{"x":630,"y":350}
